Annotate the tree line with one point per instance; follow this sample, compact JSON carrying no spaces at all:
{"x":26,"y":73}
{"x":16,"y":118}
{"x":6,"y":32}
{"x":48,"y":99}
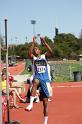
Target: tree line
{"x":64,"y":45}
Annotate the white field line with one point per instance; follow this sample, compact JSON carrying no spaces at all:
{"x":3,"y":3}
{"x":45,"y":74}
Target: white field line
{"x":72,"y":86}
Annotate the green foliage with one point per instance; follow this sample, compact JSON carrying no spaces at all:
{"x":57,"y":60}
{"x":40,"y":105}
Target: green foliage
{"x":58,"y":52}
{"x":68,"y":45}
{"x":63,"y":46}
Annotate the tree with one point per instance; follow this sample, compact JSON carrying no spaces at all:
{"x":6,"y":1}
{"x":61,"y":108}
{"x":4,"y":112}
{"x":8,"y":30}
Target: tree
{"x":67,"y":43}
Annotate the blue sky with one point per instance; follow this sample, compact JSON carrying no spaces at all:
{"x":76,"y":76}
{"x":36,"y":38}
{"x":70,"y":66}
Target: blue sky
{"x":64,"y":14}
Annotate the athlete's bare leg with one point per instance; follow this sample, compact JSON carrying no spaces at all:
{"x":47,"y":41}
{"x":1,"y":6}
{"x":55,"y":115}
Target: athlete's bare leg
{"x":33,"y":94}
{"x":45,"y":110}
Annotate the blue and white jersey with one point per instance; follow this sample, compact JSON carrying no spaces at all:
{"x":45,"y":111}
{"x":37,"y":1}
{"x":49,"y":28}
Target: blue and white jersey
{"x":41,"y":72}
{"x":41,"y":68}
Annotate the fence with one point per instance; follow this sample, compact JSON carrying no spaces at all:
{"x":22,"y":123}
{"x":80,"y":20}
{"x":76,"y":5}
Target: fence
{"x":63,"y":71}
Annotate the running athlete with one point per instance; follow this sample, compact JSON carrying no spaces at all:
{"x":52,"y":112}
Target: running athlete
{"x":41,"y":77}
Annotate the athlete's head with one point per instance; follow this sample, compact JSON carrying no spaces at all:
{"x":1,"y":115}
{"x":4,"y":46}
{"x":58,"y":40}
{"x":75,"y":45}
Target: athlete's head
{"x":37,"y":51}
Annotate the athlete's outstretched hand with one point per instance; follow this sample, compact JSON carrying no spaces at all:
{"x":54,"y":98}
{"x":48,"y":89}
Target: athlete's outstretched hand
{"x":42,"y":40}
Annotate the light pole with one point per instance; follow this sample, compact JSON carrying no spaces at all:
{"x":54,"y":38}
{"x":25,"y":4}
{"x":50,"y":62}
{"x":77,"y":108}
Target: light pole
{"x":26,"y":38}
{"x":33,"y":22}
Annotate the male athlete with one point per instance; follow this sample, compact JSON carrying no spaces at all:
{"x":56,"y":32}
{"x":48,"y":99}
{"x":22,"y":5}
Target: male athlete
{"x":41,"y":77}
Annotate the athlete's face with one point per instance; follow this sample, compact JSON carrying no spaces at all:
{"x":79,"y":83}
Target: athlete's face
{"x":37,"y":50}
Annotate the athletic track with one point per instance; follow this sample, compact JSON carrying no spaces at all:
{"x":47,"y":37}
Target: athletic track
{"x":65,"y":107}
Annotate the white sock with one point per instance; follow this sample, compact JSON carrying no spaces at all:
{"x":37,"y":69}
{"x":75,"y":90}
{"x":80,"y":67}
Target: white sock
{"x":31,"y":100}
{"x":30,"y":106}
{"x":46,"y":120}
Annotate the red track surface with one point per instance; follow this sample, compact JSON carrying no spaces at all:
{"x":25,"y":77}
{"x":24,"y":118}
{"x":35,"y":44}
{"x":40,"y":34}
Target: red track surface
{"x":65,"y":107}
{"x":18,"y":69}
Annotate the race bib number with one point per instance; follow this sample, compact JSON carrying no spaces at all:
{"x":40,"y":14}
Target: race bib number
{"x":40,"y":66}
{"x":41,"y":69}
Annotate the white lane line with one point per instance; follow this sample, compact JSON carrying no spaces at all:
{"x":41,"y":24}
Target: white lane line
{"x":69,"y":86}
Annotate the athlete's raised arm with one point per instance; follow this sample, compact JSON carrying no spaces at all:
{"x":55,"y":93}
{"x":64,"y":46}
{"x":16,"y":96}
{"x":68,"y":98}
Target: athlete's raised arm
{"x":49,"y":52}
{"x":30,"y":52}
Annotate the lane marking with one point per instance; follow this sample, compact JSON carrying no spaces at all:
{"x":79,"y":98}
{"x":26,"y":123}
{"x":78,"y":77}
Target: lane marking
{"x":72,"y":86}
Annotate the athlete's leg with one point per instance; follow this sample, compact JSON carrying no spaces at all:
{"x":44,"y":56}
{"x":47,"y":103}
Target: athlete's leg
{"x":34,"y":88}
{"x":37,"y":96}
{"x":45,"y":110}
{"x":33,"y":94}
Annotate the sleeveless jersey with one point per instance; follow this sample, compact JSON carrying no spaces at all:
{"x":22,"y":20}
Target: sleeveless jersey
{"x":41,"y":68}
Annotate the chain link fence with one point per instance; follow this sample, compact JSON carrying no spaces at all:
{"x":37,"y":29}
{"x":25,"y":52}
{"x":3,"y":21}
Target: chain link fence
{"x":64,"y":71}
